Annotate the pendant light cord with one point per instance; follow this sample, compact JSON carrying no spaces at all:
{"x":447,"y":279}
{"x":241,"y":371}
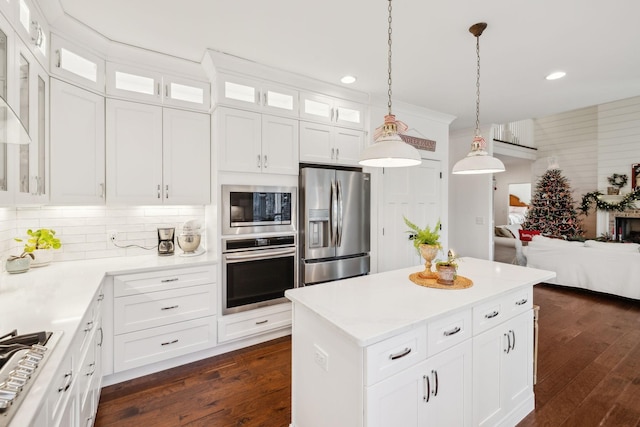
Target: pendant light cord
{"x":389,"y":60}
{"x":478,"y":86}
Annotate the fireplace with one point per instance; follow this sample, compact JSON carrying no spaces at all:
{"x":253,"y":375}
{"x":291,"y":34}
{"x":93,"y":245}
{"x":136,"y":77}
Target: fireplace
{"x":626,"y":225}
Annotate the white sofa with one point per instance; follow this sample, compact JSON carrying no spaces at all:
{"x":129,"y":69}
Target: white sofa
{"x":507,"y":246}
{"x":613,"y":268}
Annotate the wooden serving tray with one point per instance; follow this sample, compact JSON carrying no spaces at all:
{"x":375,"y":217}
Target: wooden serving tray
{"x":460,"y":282}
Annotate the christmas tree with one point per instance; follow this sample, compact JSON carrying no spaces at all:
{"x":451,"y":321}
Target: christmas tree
{"x":552,"y":209}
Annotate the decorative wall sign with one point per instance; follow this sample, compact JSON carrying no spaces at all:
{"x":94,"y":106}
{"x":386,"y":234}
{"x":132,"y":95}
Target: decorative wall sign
{"x":422,"y":143}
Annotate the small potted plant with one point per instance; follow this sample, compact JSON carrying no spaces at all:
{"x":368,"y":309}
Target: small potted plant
{"x":19,"y":263}
{"x":40,"y":244}
{"x":617,"y":182}
{"x":448,"y":269}
{"x":427,"y":243}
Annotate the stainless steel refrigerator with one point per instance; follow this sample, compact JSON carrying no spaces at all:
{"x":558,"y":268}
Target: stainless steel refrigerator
{"x":335,"y":223}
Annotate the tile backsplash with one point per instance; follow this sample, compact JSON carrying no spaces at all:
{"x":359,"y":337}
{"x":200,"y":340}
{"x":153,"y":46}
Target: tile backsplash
{"x":84,"y":230}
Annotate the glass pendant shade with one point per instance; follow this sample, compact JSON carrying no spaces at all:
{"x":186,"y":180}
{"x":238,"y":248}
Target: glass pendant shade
{"x":390,"y":151}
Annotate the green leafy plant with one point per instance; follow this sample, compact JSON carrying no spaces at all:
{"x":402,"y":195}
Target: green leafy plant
{"x":423,"y":236}
{"x":450,"y":261}
{"x":43,"y":238}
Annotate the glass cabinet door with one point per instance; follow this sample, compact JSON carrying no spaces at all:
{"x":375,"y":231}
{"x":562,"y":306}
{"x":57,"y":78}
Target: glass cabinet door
{"x":3,"y":93}
{"x":23,"y":113}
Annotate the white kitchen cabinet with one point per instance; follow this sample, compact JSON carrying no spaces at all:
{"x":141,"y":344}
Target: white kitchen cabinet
{"x":435,"y":392}
{"x":135,"y":83}
{"x":31,"y":27}
{"x":156,"y":155}
{"x":77,"y":145}
{"x":76,"y":64}
{"x":6,"y":75}
{"x":326,"y":109}
{"x":163,"y":314}
{"x":321,"y":143}
{"x":256,"y":95}
{"x":254,"y":142}
{"x":503,"y":371}
{"x":253,"y":322}
{"x":90,"y":378}
{"x":33,"y":110}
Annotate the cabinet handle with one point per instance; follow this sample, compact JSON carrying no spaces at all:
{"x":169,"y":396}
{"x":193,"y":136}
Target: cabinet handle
{"x":332,"y":112}
{"x":159,"y":197}
{"x":337,"y":114}
{"x":508,"y":349}
{"x":259,"y":163}
{"x":101,"y":337}
{"x":265,"y":99}
{"x":333,"y":153}
{"x":158,"y":89}
{"x":427,"y":388}
{"x":452,"y":331}
{"x":171,"y":307}
{"x":262,"y":322}
{"x":93,"y":370}
{"x":523,"y":301}
{"x":166,"y":189}
{"x":175,"y":279}
{"x":337,"y":153}
{"x":100,"y":297}
{"x":513,"y":343}
{"x":492,"y":315}
{"x":89,"y":326}
{"x":266,"y":165}
{"x":403,"y":353}
{"x":435,"y":377}
{"x":102,"y":190}
{"x":67,"y":382}
{"x":166,"y":91}
{"x":59,"y":61}
{"x":169,"y":342}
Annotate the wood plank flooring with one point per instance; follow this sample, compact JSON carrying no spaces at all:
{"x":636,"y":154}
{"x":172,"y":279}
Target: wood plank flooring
{"x":588,"y":375}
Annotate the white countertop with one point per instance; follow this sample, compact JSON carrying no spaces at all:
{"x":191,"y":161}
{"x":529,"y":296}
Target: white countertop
{"x":55,"y":298}
{"x":372,"y":308}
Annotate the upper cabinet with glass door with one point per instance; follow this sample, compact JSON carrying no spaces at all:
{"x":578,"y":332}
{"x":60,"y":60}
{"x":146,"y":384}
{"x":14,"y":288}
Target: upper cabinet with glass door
{"x":76,"y":65}
{"x":326,"y":109}
{"x":128,"y":82}
{"x":257,"y":95}
{"x":32,"y":28}
{"x":6,"y":55}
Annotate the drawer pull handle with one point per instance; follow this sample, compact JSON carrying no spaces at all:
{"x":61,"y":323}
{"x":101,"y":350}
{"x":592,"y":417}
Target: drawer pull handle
{"x":492,"y":315}
{"x":523,"y":301}
{"x":169,"y":342}
{"x":508,"y":349}
{"x":67,"y":382}
{"x":435,"y":376}
{"x":175,"y":279}
{"x":403,"y":353}
{"x":452,"y":331}
{"x":171,"y":307}
{"x":89,"y":326}
{"x":262,"y":322}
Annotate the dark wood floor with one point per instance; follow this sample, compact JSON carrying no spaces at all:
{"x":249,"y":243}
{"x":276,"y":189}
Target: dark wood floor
{"x":588,"y":375}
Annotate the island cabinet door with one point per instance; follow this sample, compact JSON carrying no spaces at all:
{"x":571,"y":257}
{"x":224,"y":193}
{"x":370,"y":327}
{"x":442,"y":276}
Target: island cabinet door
{"x":436,"y":392}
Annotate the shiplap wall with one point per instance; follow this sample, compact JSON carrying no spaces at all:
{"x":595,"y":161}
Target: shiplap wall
{"x":83,"y":230}
{"x":572,"y":138}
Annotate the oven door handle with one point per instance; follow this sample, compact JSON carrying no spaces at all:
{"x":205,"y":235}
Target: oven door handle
{"x":260,"y":255}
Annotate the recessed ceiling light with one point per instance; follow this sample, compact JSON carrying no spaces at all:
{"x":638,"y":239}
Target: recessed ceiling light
{"x":556,"y":75}
{"x":348,"y":80}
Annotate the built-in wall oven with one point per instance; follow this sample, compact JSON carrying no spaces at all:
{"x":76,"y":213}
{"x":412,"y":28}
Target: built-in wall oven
{"x":251,"y":209}
{"x":257,"y":270}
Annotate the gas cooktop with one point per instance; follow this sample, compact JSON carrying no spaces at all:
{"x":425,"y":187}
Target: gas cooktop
{"x":21,"y":360}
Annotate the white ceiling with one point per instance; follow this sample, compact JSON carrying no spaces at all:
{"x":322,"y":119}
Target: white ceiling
{"x":596,"y":42}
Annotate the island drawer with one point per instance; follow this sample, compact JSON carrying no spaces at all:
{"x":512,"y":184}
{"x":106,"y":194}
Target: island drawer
{"x":136,"y":312}
{"x":138,"y":283}
{"x":395,"y":354}
{"x":141,"y":348}
{"x":448,"y":331}
{"x":253,"y":322}
{"x":494,"y":312}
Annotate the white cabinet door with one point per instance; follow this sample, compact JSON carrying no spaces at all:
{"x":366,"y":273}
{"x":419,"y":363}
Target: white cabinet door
{"x":348,"y":145}
{"x":77,"y":145}
{"x":436,"y":392}
{"x":133,"y":83}
{"x":316,"y":143}
{"x":254,"y":94}
{"x":241,"y":140}
{"x":134,"y":153}
{"x":73,"y":63}
{"x":186,"y":157}
{"x":332,"y":110}
{"x":186,"y":93}
{"x":279,"y":145}
{"x":502,"y":369}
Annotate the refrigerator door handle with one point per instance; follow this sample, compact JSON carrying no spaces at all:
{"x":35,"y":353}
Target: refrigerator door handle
{"x":334,"y":213}
{"x":340,"y":211}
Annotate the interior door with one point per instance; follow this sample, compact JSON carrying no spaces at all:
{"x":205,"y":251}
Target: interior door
{"x":415,"y":193}
{"x":354,"y":213}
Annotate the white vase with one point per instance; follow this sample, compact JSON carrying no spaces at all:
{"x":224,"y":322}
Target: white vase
{"x":42,"y":257}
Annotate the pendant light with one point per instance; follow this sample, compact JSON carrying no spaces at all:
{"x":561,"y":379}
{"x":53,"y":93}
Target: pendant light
{"x":390,"y":150}
{"x":478,"y":160}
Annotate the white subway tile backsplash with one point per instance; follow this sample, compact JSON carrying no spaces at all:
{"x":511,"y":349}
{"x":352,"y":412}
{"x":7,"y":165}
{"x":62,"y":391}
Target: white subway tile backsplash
{"x":83,"y":231}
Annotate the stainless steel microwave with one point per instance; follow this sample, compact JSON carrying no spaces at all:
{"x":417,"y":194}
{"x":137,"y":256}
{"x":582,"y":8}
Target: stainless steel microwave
{"x":250,"y":209}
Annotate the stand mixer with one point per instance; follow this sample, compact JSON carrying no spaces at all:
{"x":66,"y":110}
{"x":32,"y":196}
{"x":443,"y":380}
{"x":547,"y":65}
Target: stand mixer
{"x":189,"y":239}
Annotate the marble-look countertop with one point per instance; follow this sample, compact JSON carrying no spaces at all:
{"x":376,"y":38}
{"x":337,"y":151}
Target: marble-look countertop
{"x":372,"y":308}
{"x":56,"y":297}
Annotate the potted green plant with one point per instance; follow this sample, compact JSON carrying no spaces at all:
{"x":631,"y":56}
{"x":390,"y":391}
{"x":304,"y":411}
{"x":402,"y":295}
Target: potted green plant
{"x":447,"y":269}
{"x":19,"y":263}
{"x":427,"y":243}
{"x":40,"y":244}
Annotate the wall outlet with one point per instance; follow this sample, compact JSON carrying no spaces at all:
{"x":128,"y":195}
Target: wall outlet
{"x":321,"y":357}
{"x":112,"y":236}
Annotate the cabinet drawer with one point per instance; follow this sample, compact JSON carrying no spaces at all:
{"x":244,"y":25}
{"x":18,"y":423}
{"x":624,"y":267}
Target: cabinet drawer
{"x":153,"y":345}
{"x":395,"y":354}
{"x":254,"y":322}
{"x":61,"y":390}
{"x":132,"y":284}
{"x":492,"y":313}
{"x":448,"y":331}
{"x":136,"y":312}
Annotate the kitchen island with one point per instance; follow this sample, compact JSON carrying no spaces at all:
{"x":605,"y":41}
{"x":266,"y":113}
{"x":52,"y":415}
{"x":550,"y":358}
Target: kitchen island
{"x":379,"y":350}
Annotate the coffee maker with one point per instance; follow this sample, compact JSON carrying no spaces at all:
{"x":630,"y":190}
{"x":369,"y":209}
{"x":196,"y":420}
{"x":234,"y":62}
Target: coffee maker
{"x":165,"y":241}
